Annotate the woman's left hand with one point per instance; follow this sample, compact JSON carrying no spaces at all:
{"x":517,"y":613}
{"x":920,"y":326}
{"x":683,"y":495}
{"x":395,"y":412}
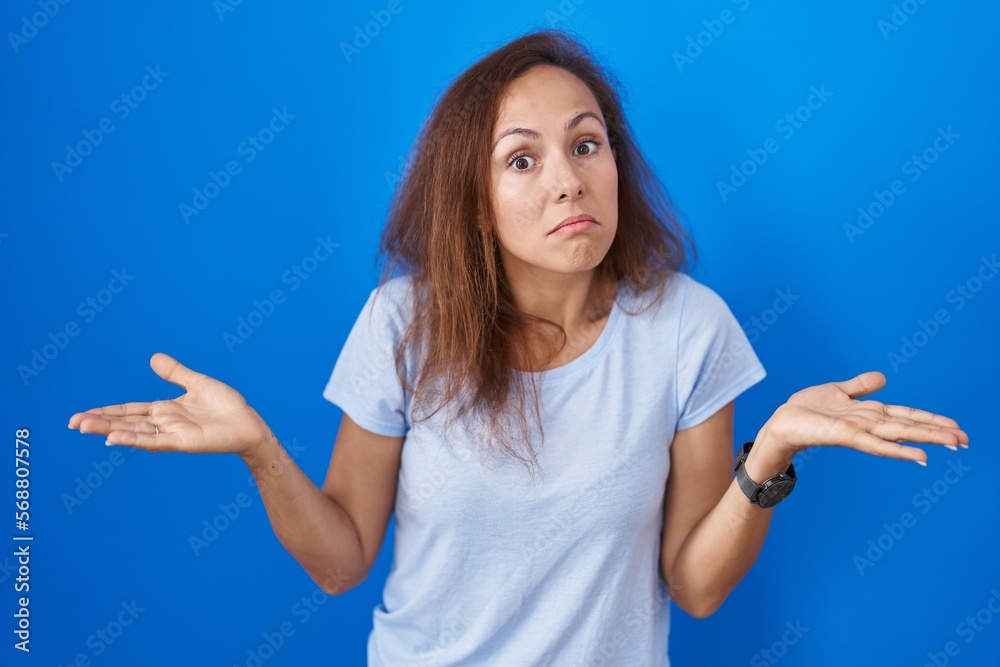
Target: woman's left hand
{"x":827,"y":414}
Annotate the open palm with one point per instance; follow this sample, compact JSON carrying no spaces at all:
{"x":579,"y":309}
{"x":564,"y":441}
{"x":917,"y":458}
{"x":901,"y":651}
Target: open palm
{"x":829,"y":414}
{"x":211,"y":417}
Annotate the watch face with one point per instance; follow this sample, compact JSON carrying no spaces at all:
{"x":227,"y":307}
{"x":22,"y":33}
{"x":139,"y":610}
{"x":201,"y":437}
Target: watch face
{"x":775,"y":493}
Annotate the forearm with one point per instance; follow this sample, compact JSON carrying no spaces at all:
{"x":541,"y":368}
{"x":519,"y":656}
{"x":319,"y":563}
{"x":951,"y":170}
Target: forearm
{"x":311,"y":525}
{"x":723,"y":546}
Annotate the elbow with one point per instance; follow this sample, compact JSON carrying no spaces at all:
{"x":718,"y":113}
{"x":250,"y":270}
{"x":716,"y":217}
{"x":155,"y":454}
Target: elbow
{"x":334,"y":581}
{"x":696,"y":604}
{"x":700,"y":609}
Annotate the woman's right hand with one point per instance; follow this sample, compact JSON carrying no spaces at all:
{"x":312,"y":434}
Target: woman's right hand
{"x":211,"y":417}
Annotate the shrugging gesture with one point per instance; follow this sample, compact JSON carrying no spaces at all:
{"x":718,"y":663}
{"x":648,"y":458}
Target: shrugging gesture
{"x":828,"y":414}
{"x":211,"y":417}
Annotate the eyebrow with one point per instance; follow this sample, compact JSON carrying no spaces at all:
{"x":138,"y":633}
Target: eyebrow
{"x":532,"y":134}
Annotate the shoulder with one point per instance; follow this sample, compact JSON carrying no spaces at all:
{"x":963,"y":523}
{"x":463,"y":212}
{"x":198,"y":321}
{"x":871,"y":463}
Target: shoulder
{"x":394,"y":298}
{"x":388,"y":309}
{"x":683,"y":298}
{"x":697,"y":303}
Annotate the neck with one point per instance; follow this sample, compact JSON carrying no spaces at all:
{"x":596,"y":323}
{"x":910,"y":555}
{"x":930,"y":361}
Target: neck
{"x":577,"y":302}
{"x":570,"y":300}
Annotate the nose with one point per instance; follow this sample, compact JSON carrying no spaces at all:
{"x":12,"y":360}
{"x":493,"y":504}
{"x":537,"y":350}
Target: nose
{"x":566,"y":182}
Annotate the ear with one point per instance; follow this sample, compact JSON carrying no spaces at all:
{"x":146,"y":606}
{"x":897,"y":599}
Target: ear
{"x":614,"y":152}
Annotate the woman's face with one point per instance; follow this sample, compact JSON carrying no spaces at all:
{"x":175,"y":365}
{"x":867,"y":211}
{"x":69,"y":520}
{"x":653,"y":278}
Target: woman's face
{"x":552,"y":161}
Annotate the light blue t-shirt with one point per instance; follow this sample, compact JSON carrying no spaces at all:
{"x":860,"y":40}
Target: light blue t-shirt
{"x":491,"y":569}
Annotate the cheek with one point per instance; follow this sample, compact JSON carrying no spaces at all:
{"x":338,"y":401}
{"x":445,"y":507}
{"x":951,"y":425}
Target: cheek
{"x":517,"y":203}
{"x":609,"y":181}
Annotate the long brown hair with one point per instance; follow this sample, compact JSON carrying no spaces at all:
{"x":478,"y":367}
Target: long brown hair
{"x":441,"y":231}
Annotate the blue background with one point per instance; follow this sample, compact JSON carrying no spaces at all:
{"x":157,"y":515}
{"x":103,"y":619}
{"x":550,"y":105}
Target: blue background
{"x":327,"y":174}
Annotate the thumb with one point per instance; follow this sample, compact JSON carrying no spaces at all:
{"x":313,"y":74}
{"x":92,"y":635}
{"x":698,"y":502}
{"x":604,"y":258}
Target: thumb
{"x":863,"y":384}
{"x":174,"y":371}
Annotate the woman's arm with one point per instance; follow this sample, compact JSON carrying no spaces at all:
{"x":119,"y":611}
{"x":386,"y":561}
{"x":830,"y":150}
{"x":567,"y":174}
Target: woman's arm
{"x":335,"y":533}
{"x":712,"y":534}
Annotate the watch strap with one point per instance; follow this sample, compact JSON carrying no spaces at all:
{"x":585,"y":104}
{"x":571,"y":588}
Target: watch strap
{"x":750,"y":488}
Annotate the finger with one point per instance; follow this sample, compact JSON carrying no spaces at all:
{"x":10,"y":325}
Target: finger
{"x":174,"y":371}
{"x":894,"y":430}
{"x":153,"y":442}
{"x":121,"y":410}
{"x":859,"y":385}
{"x":919,"y":415}
{"x":877,"y":413}
{"x":137,"y":424}
{"x":872,"y":444}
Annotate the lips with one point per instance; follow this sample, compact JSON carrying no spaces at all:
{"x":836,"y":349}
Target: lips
{"x":573,"y":220}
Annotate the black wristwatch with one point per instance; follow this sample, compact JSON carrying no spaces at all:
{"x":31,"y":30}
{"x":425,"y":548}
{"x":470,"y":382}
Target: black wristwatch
{"x":769,"y":493}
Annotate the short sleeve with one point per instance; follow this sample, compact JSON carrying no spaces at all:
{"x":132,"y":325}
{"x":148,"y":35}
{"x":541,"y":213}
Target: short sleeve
{"x":364,"y":383}
{"x":716,"y":362}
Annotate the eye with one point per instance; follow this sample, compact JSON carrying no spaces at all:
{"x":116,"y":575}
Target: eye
{"x":594,"y":143}
{"x":520,"y":162}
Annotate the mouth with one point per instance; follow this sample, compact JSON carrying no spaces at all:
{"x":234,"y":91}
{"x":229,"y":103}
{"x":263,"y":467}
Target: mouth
{"x":577,"y":223}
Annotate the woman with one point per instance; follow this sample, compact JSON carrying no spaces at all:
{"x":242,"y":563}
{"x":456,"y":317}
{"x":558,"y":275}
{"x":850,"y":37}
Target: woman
{"x":564,"y":391}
